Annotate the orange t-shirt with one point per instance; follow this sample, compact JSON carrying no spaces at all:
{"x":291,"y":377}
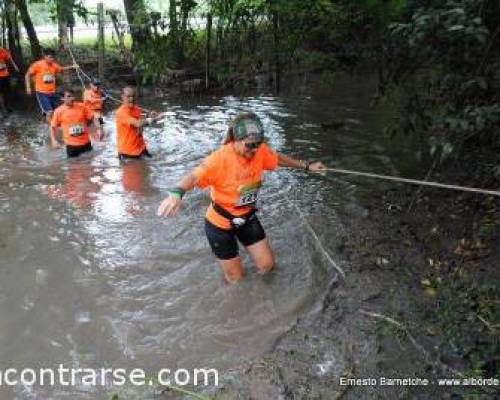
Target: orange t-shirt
{"x":5,"y":57}
{"x":74,"y":123}
{"x":234,"y":180}
{"x":45,"y":76}
{"x":93,"y":100}
{"x":129,"y":140}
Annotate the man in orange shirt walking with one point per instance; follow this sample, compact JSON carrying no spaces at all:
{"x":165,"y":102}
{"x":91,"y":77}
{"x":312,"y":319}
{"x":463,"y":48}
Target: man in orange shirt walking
{"x":234,"y":175}
{"x":129,"y":126}
{"x":45,"y":72}
{"x":74,"y":118}
{"x":5,"y":59}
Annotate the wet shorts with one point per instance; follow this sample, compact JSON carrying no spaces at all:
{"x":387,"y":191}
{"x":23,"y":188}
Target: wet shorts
{"x":145,"y":153}
{"x":47,"y":102}
{"x":75,"y":151}
{"x":4,"y":85}
{"x":223,"y":241}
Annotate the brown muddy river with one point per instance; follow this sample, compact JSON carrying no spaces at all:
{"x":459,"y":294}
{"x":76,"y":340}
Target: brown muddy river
{"x":92,"y":278}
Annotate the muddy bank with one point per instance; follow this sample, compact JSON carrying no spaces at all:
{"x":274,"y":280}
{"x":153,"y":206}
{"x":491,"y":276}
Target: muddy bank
{"x":420,"y":300}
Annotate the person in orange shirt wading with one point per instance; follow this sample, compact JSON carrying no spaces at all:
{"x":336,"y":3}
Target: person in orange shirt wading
{"x":5,"y":59}
{"x":234,"y":175}
{"x":129,"y":126}
{"x":45,"y":72}
{"x":94,"y":97}
{"x":74,"y":118}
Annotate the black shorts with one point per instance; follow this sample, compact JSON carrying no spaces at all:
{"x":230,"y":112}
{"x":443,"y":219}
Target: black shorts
{"x":4,"y":85}
{"x":145,"y":153}
{"x":75,"y":151}
{"x":223,"y":241}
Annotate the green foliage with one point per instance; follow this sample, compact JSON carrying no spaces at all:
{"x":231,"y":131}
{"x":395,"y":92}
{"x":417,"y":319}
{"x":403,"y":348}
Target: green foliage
{"x":446,"y":58}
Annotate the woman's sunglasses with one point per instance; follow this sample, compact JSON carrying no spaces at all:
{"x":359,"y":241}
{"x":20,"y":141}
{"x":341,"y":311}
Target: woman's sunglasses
{"x":253,"y":145}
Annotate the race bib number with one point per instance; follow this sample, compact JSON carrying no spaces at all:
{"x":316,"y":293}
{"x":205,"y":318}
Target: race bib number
{"x":48,"y":78}
{"x":76,"y":130}
{"x":249,"y":194}
{"x":3,"y":66}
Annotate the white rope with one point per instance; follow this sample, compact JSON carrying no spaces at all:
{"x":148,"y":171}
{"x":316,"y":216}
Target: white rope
{"x":77,"y":69}
{"x":89,"y":78}
{"x":317,"y":240}
{"x":415,"y":181}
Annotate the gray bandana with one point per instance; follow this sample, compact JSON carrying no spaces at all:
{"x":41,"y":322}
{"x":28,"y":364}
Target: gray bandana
{"x":248,"y":127}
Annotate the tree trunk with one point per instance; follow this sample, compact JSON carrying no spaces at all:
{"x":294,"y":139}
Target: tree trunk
{"x":172,"y":15}
{"x":4,"y":28}
{"x":276,"y":37}
{"x":138,"y":21}
{"x":173,"y":26}
{"x":62,"y":23}
{"x":13,"y":32}
{"x":36,"y":50}
{"x":185,"y":8}
{"x":220,"y":42}
{"x":207,"y":53}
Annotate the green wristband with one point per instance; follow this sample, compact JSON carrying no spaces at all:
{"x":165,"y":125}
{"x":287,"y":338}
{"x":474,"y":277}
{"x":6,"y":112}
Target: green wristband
{"x":177,"y":192}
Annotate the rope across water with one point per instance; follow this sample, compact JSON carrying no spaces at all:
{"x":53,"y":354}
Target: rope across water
{"x":415,"y":181}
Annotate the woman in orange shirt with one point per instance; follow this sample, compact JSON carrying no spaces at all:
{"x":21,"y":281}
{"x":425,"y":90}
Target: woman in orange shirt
{"x":234,"y":174}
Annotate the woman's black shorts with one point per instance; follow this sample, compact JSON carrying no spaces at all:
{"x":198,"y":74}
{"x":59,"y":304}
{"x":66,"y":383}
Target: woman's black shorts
{"x":75,"y":151}
{"x":223,"y":241}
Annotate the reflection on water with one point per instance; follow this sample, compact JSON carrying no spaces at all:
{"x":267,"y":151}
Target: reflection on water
{"x":80,"y":186}
{"x":92,"y":278}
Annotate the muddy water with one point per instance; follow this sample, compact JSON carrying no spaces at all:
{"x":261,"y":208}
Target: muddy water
{"x":91,"y":278}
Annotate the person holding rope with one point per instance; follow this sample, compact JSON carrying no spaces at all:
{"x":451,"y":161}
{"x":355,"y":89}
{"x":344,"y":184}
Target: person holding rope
{"x":45,"y":72}
{"x":234,"y":175}
{"x":5,"y":59}
{"x":94,"y":98}
{"x":129,"y":126}
{"x":74,"y":118}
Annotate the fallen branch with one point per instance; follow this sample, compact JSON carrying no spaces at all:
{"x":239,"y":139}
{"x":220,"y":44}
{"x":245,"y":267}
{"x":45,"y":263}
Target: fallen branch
{"x":494,"y":328}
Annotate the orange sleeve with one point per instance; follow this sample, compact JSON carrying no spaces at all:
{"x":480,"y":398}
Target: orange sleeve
{"x":33,"y":69}
{"x":89,"y":114}
{"x":56,"y":119}
{"x":208,"y":171}
{"x":58,"y":68}
{"x":270,"y":158}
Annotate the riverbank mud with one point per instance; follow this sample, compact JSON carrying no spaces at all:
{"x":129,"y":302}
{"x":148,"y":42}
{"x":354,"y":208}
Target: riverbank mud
{"x":420,"y":301}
